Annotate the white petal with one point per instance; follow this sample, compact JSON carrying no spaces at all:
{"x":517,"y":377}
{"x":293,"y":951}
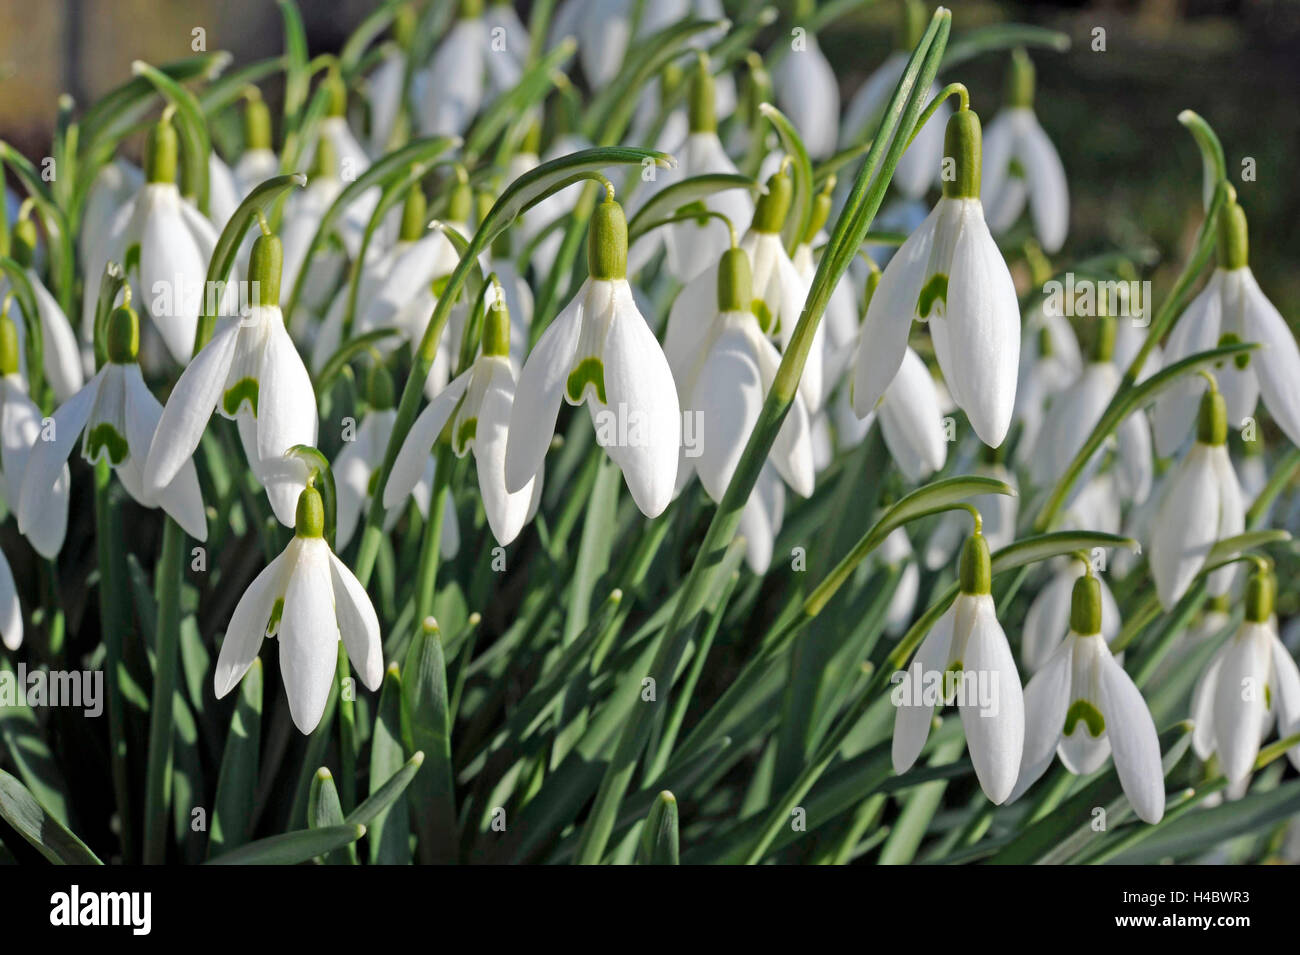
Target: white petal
{"x":172,"y":274}
{"x":1202,"y":713}
{"x":309,"y":635}
{"x":182,"y":498}
{"x":506,"y":513}
{"x":61,"y":354}
{"x":1197,"y":330}
{"x":913,"y":713}
{"x":1277,"y":364}
{"x":1049,"y":199}
{"x":995,"y":736}
{"x":807,"y":91}
{"x":413,"y":457}
{"x":248,"y":624}
{"x":1286,"y":695}
{"x":1133,"y":741}
{"x":727,"y":397}
{"x":1187,"y":526}
{"x":358,"y":624}
{"x":910,"y":421}
{"x":11,"y":614}
{"x":1239,"y":701}
{"x":47,"y":462}
{"x":20,"y":428}
{"x":1047,"y":698}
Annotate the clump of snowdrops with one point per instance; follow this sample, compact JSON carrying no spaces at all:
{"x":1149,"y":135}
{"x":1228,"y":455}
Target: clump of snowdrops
{"x":294,"y":354}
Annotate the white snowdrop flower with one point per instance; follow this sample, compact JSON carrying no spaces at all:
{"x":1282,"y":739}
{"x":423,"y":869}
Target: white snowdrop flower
{"x":383,"y":90}
{"x":1020,"y":163}
{"x":479,"y":404}
{"x":114,"y":186}
{"x":1096,"y":507}
{"x":1083,"y":707}
{"x":20,"y":428}
{"x":896,"y":550}
{"x":1074,"y":413}
{"x":693,"y":246}
{"x":249,"y":372}
{"x":118,"y":417}
{"x":258,"y":162}
{"x":174,"y":242}
{"x":949,"y":272}
{"x":1049,"y":614}
{"x":1049,"y":362}
{"x":842,"y":316}
{"x":724,"y":366}
{"x":998,"y":511}
{"x":60,"y":353}
{"x":599,"y":350}
{"x":965,"y":661}
{"x":11,"y":612}
{"x":910,"y":421}
{"x":1251,"y":683}
{"x":1202,"y":504}
{"x":309,"y":599}
{"x":456,"y":79}
{"x":507,"y":47}
{"x":1253,"y":472}
{"x":807,"y":90}
{"x":1232,"y":308}
{"x":223,"y":191}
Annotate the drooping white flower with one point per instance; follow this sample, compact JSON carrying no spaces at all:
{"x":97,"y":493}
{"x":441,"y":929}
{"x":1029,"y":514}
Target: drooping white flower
{"x":20,"y":428}
{"x":910,"y":420}
{"x":1232,"y":308}
{"x":174,"y":243}
{"x":309,"y":599}
{"x":60,"y":353}
{"x":1021,"y":163}
{"x":896,"y":550}
{"x":251,"y":373}
{"x":1251,"y":683}
{"x":118,"y":417}
{"x":599,"y":350}
{"x":114,"y":186}
{"x":11,"y":612}
{"x":258,"y":162}
{"x":965,"y":660}
{"x":1202,"y":504}
{"x":724,"y":366}
{"x":1049,"y":362}
{"x":1082,"y":706}
{"x":223,"y":191}
{"x":1049,"y":615}
{"x":808,"y":92}
{"x":452,"y":88}
{"x":950,"y":273}
{"x":479,"y":404}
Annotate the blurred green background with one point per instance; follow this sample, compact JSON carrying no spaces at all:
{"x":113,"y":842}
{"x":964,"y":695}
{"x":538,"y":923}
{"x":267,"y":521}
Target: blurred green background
{"x":1134,"y":172}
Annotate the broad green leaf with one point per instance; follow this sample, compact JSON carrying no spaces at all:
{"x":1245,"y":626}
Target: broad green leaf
{"x":658,"y":844}
{"x":390,"y":828}
{"x":51,"y":838}
{"x":426,"y":728}
{"x":292,"y":848}
{"x":232,"y":812}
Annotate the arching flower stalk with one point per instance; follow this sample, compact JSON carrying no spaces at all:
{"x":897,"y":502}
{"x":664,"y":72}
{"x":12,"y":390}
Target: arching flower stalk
{"x":310,"y":600}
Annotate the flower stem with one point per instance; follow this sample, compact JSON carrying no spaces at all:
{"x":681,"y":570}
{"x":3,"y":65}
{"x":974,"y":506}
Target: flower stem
{"x":157,"y":793}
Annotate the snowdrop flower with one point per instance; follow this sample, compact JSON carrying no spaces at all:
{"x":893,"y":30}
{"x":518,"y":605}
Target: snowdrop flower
{"x":910,"y":420}
{"x":309,"y":599}
{"x":251,"y":373}
{"x":60,"y":354}
{"x":383,"y":86}
{"x":896,"y":550}
{"x":507,"y":47}
{"x":479,"y":404}
{"x":922,"y":161}
{"x":1075,"y":411}
{"x":599,"y":350}
{"x":175,"y":243}
{"x":1021,"y":163}
{"x":1250,"y":682}
{"x":724,"y":366}
{"x":693,"y":246}
{"x":1049,"y":362}
{"x":1049,"y":614}
{"x":1232,"y":308}
{"x":20,"y":429}
{"x":11,"y":613}
{"x":118,"y":417}
{"x":965,"y":660}
{"x":455,"y":80}
{"x":949,"y":270}
{"x":1202,"y":504}
{"x":807,"y":90}
{"x":1083,"y":707}
{"x":114,"y":186}
{"x":258,"y":162}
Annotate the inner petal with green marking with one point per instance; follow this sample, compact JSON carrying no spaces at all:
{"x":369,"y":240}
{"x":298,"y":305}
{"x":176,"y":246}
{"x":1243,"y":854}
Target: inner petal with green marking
{"x":106,"y":439}
{"x":935,"y":291}
{"x":241,"y":393}
{"x":465,"y":431}
{"x":1089,"y":714}
{"x":590,"y":372}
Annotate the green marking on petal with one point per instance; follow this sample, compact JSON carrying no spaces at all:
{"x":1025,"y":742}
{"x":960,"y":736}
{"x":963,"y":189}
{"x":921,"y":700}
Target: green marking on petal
{"x":1091,"y":716}
{"x":1232,"y":338}
{"x":766,"y":320}
{"x":373,"y":483}
{"x":273,"y":624}
{"x":590,"y":371}
{"x":104,"y":437}
{"x":935,"y":290}
{"x":244,"y":390}
{"x":952,"y":677}
{"x":131,"y":261}
{"x":1015,"y":170}
{"x":440,"y":285}
{"x":466,"y":432}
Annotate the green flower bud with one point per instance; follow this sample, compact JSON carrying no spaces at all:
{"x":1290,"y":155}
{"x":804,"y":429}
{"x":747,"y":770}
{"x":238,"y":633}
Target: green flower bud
{"x":461,"y":202}
{"x":1020,"y":81}
{"x":22,"y":247}
{"x":702,"y":109}
{"x":1261,"y":595}
{"x":962,"y":142}
{"x":1085,"y":606}
{"x":404,"y":25}
{"x":735,"y":282}
{"x":309,"y":519}
{"x":9,"y":349}
{"x":1212,"y":419}
{"x":257,"y":124}
{"x":821,"y":211}
{"x":1234,"y":239}
{"x":607,"y":242}
{"x":265,"y":264}
{"x":496,"y":327}
{"x":771,"y":209}
{"x":415,"y":213}
{"x":379,"y":388}
{"x":338,"y":94}
{"x":160,"y":151}
{"x":471,"y":9}
{"x":122,"y":336}
{"x":325,"y":164}
{"x":975,"y":572}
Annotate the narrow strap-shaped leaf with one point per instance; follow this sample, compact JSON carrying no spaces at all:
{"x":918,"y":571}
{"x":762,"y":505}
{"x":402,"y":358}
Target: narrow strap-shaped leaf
{"x":232,"y":811}
{"x":52,"y":839}
{"x":292,"y":848}
{"x":390,"y":828}
{"x":659,"y":844}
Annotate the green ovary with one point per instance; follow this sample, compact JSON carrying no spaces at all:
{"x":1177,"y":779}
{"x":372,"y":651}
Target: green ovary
{"x":935,"y":290}
{"x":1091,"y":716}
{"x":108,"y":439}
{"x":589,"y":372}
{"x":243,"y":390}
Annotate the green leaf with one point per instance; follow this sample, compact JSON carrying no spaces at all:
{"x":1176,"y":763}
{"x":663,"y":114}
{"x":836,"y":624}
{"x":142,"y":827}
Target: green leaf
{"x":426,"y":727}
{"x":519,"y":100}
{"x":233,"y":808}
{"x":1003,"y":36}
{"x":1214,"y":166}
{"x":659,"y":836}
{"x":192,"y":129}
{"x":22,"y":289}
{"x":26,"y":746}
{"x":51,"y":838}
{"x":665,"y":204}
{"x":297,"y":76}
{"x":796,"y":222}
{"x":292,"y":848}
{"x":390,"y":828}
{"x":54,"y":220}
{"x":324,"y":810}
